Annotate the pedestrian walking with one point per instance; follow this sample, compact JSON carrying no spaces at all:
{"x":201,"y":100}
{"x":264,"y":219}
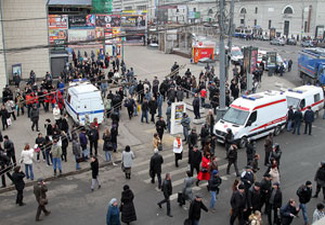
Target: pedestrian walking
{"x":266,"y":188}
{"x":289,"y":212}
{"x":56,"y":113}
{"x":229,"y":139}
{"x":238,"y":205}
{"x":204,"y":173}
{"x":18,"y":180}
{"x":247,"y":177}
{"x":48,"y":154}
{"x":254,"y":198}
{"x":76,"y":150}
{"x":153,"y":108}
{"x":144,"y":109}
{"x":40,"y":190}
{"x":250,"y":151}
{"x":187,"y":192}
{"x":94,"y":165}
{"x":186,"y":124}
{"x":27,"y":157}
{"x":64,"y":146}
{"x":194,"y":213}
{"x":196,"y":107}
{"x":127,"y":207}
{"x":276,"y":154}
{"x":319,"y":212}
{"x":56,"y":151}
{"x":309,"y":117}
{"x":40,"y":142}
{"x":93,"y":136}
{"x":108,"y":147}
{"x":275,"y":203}
{"x":232,"y":159}
{"x":157,"y":142}
{"x":304,"y":193}
{"x":268,"y":144}
{"x":297,"y":118}
{"x":113,"y":213}
{"x":275,"y":174}
{"x":155,"y":167}
{"x":320,"y":180}
{"x":290,"y":117}
{"x":4,"y":117}
{"x":9,"y":148}
{"x":127,"y":161}
{"x":178,"y":149}
{"x":161,"y":126}
{"x":167,"y":190}
{"x":194,"y":160}
{"x":34,"y":117}
{"x":83,"y":143}
{"x":213,"y":187}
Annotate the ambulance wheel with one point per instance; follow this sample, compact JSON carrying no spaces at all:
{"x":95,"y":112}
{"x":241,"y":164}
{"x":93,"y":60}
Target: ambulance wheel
{"x":277,"y":130}
{"x":242,"y":142}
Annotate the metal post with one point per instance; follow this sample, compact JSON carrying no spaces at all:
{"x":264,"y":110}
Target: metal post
{"x":4,"y":45}
{"x":222,"y":99}
{"x":230,"y":33}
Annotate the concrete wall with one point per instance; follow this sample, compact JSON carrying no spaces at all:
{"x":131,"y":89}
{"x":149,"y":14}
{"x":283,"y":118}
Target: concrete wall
{"x":26,"y":33}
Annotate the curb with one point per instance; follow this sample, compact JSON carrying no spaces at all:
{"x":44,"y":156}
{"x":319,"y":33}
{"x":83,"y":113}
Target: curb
{"x":31,"y":183}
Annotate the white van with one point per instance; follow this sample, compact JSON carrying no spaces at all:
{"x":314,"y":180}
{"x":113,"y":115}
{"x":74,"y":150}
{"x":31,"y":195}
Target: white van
{"x":83,"y":99}
{"x":236,"y":55}
{"x":304,"y":96}
{"x":253,"y":116}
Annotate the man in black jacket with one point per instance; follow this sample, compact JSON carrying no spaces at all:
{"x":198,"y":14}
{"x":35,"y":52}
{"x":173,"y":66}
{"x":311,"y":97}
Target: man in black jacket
{"x":9,"y":148}
{"x":297,"y":117}
{"x":266,"y":187}
{"x":18,"y":180}
{"x":213,"y":186}
{"x":254,"y":197}
{"x":304,"y":193}
{"x":196,"y":107}
{"x":155,"y":167}
{"x":275,"y":204}
{"x":144,"y":109}
{"x":93,"y":136}
{"x":238,"y":205}
{"x":320,"y":180}
{"x":167,"y":190}
{"x":161,"y":126}
{"x":195,"y":157}
{"x":232,"y":159}
{"x":290,"y":118}
{"x":309,"y":119}
{"x":288,"y":212}
{"x":194,"y":212}
{"x":192,"y":138}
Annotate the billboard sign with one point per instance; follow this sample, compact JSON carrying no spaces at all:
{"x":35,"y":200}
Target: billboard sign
{"x":82,"y":21}
{"x":56,"y":35}
{"x":81,"y":35}
{"x":107,"y":21}
{"x":58,"y":21}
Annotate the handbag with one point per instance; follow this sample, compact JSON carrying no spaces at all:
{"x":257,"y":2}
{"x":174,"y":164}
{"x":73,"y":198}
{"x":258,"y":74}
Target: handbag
{"x":187,"y":221}
{"x":122,"y":167}
{"x":43,"y":201}
{"x":37,"y":150}
{"x":79,"y":159}
{"x":9,"y":122}
{"x":160,"y":147}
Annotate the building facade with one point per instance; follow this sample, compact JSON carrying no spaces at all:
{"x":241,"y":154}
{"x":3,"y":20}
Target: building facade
{"x":290,"y":18}
{"x":23,"y":39}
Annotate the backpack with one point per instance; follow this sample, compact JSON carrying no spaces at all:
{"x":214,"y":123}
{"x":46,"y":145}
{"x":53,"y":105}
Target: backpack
{"x":300,"y":191}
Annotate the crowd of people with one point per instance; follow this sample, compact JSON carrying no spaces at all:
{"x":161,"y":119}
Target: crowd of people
{"x":249,"y":197}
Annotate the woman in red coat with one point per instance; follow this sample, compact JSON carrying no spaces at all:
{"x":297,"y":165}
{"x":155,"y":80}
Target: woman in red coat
{"x":204,"y":173}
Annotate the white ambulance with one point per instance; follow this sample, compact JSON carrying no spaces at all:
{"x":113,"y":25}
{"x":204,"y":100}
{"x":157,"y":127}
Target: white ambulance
{"x":82,"y":99}
{"x":304,"y":96}
{"x":253,"y":116}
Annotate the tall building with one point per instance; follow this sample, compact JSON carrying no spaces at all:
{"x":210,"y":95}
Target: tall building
{"x":23,"y":39}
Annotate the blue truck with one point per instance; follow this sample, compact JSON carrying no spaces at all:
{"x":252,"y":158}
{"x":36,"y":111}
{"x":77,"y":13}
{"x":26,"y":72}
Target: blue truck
{"x":311,"y":66}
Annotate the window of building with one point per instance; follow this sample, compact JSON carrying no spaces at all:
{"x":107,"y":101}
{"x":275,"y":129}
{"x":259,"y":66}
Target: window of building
{"x":194,"y":9}
{"x":128,"y":8}
{"x":288,"y":10}
{"x":256,"y":10}
{"x":243,"y":11}
{"x":242,"y":21}
{"x":142,"y":7}
{"x":255,"y":22}
{"x":270,"y":24}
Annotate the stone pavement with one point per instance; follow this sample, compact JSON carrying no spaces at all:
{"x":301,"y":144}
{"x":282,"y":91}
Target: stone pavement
{"x":147,"y":63}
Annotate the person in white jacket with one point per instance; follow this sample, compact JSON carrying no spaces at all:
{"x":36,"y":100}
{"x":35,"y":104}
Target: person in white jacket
{"x":178,"y":149}
{"x":56,"y":113}
{"x":27,"y":159}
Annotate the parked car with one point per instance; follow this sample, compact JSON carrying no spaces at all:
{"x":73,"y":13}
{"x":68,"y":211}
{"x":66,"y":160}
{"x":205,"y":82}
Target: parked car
{"x":277,"y":41}
{"x":307,"y":43}
{"x":291,"y":41}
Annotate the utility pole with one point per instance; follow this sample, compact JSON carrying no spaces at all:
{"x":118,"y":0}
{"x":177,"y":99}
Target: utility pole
{"x":230,"y":33}
{"x":222,"y":98}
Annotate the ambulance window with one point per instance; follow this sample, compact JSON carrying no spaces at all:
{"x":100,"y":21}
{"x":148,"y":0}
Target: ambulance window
{"x":69,"y":98}
{"x":316,"y":97}
{"x":302,"y":104}
{"x":252,"y":118}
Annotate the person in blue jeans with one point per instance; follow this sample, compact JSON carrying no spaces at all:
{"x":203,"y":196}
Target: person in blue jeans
{"x":213,"y":186}
{"x":27,"y":159}
{"x":76,"y":150}
{"x":304,"y":193}
{"x":56,"y":151}
{"x":144,"y":109}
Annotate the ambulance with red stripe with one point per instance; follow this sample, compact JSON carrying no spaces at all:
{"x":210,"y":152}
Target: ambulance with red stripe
{"x":304,"y":96}
{"x":253,"y":116}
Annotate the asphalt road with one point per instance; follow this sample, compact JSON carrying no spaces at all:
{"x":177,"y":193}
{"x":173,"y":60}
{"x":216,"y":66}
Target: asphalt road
{"x":71,"y":201}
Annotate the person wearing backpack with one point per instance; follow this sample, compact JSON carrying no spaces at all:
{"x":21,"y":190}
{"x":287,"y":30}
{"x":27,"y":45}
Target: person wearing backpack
{"x":304,"y":193}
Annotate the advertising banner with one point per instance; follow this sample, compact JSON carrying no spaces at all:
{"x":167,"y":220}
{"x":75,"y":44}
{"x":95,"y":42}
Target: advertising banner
{"x":254,"y":54}
{"x":112,"y":35}
{"x":107,"y":21}
{"x":58,"y":35}
{"x":102,"y":6}
{"x":134,"y":21}
{"x":178,"y":108}
{"x":81,"y":35}
{"x":58,"y":21}
{"x":82,"y":21}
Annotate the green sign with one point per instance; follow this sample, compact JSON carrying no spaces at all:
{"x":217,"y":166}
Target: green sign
{"x":102,"y":6}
